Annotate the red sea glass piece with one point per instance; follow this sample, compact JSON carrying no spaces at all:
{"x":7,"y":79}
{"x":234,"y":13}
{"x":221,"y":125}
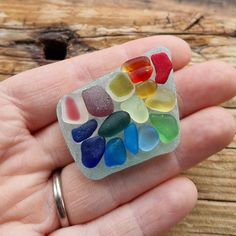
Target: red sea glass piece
{"x":71,"y":109}
{"x":163,"y":66}
{"x":139,"y":69}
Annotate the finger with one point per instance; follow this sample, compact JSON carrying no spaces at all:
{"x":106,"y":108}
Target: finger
{"x":153,"y":213}
{"x":211,"y":83}
{"x":202,"y":134}
{"x":37,"y":91}
{"x":203,"y":85}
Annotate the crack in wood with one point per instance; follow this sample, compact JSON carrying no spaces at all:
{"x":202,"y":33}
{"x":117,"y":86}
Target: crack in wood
{"x":216,"y":200}
{"x":208,"y":33}
{"x":195,"y":21}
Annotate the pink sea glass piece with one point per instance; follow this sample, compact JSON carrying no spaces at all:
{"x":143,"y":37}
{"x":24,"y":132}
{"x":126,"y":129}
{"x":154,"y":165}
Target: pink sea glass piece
{"x":74,"y":110}
{"x":71,"y":109}
{"x":163,"y":66}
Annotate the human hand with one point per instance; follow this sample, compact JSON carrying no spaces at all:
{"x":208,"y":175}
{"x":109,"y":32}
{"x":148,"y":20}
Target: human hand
{"x":146,"y":199}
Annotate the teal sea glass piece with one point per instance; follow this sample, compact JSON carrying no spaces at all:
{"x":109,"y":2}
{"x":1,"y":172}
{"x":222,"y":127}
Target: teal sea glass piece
{"x":114,"y":124}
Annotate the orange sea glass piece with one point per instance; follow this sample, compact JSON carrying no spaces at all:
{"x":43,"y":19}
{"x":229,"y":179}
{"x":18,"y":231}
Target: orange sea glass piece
{"x":139,"y":69}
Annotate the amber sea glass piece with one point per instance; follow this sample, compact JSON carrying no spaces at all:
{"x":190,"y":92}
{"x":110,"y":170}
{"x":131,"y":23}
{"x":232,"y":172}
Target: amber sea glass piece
{"x":146,"y":89}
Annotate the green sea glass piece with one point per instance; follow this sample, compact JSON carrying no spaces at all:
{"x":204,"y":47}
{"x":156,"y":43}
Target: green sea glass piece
{"x":166,"y":125}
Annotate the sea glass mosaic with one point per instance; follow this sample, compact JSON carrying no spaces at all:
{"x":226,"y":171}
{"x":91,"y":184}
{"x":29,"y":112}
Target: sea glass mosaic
{"x":123,"y":118}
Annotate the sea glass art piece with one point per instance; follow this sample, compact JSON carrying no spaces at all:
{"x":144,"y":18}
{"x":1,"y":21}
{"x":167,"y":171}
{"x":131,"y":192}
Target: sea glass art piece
{"x":123,"y":118}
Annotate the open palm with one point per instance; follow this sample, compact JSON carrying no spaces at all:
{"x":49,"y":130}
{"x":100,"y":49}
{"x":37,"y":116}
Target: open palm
{"x":144,"y":200}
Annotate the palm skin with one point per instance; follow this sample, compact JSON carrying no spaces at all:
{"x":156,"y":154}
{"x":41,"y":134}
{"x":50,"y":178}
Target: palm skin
{"x":146,"y":199}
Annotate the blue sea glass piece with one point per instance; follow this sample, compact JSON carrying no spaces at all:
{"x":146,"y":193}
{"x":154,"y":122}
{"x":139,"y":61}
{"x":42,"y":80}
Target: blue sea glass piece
{"x":92,"y":150}
{"x":84,"y":131}
{"x":131,"y":138}
{"x":115,"y":153}
{"x":148,"y":138}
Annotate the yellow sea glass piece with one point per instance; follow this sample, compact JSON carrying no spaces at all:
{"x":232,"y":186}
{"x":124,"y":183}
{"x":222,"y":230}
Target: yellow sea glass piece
{"x":120,"y":87}
{"x":163,"y":100}
{"x":146,"y":89}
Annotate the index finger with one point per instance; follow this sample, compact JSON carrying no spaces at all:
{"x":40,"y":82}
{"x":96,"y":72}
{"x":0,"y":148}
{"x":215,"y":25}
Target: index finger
{"x":37,"y":91}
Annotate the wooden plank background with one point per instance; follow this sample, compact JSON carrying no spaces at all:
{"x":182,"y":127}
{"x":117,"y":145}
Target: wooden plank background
{"x":31,"y":29}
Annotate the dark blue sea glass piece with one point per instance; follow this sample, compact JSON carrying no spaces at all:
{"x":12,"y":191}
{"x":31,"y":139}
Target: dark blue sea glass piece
{"x":84,"y":131}
{"x":92,"y":150}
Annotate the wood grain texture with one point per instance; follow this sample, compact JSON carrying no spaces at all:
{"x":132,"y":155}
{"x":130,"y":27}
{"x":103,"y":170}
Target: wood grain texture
{"x":83,"y":26}
{"x":209,"y":218}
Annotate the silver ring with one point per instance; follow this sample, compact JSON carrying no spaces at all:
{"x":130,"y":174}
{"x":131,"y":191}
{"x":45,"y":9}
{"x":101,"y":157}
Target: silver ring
{"x":57,"y":193}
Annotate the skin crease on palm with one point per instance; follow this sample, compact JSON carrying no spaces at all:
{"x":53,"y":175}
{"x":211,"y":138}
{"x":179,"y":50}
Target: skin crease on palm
{"x":147,"y":199}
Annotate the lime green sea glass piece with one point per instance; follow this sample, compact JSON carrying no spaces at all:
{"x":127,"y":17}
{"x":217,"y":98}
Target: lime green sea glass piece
{"x":166,"y":125}
{"x":136,"y":109}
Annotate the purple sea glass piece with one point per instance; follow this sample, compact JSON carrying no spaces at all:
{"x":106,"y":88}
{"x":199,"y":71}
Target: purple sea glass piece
{"x":98,"y":101}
